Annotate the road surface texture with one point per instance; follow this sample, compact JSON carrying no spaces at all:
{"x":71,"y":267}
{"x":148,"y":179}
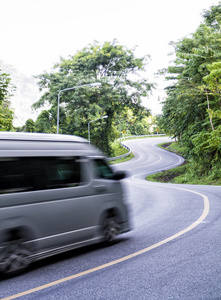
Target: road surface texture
{"x":173,"y":251}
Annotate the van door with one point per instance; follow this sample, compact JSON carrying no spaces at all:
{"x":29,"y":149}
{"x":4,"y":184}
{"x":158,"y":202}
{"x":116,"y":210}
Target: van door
{"x":105,"y":186}
{"x":66,"y":204}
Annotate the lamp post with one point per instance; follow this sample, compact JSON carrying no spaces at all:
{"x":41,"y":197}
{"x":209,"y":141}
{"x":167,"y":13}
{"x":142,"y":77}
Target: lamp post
{"x":68,"y":89}
{"x":104,"y":117}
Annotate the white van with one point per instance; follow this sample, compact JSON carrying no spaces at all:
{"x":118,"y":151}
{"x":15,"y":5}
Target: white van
{"x":57,"y":193}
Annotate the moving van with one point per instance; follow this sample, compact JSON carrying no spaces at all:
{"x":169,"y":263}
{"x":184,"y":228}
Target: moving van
{"x":57,"y":193}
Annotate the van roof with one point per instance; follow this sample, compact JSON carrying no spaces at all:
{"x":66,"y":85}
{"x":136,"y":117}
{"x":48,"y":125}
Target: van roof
{"x":25,"y":143}
{"x":27,"y":136}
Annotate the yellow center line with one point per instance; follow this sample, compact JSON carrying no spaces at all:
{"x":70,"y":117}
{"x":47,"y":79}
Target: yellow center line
{"x":193,"y":225}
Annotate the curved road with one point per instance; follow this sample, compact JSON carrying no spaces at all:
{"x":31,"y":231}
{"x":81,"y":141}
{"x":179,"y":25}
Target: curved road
{"x":173,"y":251}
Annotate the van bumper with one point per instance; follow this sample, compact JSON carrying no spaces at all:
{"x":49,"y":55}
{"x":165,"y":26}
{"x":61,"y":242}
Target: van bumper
{"x":125,"y":227}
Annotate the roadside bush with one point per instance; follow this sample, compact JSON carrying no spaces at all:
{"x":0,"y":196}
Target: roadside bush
{"x":207,"y":151}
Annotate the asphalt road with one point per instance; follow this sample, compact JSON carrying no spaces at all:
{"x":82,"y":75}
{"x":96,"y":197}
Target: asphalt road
{"x":173,"y":251}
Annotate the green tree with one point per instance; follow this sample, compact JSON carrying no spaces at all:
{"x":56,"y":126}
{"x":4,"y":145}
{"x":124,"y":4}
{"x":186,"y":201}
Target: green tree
{"x":129,"y":121}
{"x":29,"y":126}
{"x":212,"y":89}
{"x":6,"y":114}
{"x":44,"y":123}
{"x":111,"y":64}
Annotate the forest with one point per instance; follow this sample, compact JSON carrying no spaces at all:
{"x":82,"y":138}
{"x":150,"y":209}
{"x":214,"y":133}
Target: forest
{"x":192,"y":109}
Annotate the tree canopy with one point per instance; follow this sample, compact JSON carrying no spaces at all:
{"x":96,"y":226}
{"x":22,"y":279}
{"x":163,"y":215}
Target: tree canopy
{"x":117,"y":70}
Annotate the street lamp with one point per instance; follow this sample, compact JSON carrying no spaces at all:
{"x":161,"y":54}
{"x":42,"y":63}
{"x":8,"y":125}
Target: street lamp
{"x":104,"y":117}
{"x":72,"y":88}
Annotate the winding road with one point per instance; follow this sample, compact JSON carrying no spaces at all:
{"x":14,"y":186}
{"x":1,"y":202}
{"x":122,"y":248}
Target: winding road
{"x":173,"y":251}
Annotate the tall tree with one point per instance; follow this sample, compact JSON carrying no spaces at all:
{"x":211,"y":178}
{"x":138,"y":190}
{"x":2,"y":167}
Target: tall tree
{"x":44,"y":123}
{"x":6,"y":114}
{"x":111,"y":64}
{"x":29,"y":126}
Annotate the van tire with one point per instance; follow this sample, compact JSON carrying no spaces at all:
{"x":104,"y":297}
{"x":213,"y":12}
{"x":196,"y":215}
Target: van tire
{"x":110,"y":229}
{"x":14,"y":258}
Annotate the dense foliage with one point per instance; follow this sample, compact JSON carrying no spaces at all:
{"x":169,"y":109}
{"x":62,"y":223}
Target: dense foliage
{"x":192,"y":109}
{"x":6,"y":114}
{"x":116,"y":68}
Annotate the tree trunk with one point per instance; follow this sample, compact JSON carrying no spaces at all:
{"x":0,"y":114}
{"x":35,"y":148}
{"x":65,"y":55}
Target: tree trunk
{"x":210,"y":118}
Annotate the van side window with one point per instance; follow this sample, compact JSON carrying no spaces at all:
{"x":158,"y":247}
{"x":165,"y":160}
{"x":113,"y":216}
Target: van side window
{"x":38,"y":173}
{"x":103,"y":169}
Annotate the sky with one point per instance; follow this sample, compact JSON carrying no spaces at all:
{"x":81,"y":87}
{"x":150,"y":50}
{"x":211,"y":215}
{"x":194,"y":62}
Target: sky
{"x":36,"y":33}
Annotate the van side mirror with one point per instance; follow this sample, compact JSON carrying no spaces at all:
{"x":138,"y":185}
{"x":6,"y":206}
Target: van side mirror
{"x":118,"y":175}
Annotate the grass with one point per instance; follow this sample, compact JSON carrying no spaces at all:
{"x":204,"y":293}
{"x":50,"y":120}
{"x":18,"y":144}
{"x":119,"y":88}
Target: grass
{"x":120,"y":160}
{"x":118,"y":150}
{"x":169,"y":175}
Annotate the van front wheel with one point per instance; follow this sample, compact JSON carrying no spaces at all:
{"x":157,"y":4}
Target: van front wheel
{"x":111,"y":229}
{"x":14,"y":258}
